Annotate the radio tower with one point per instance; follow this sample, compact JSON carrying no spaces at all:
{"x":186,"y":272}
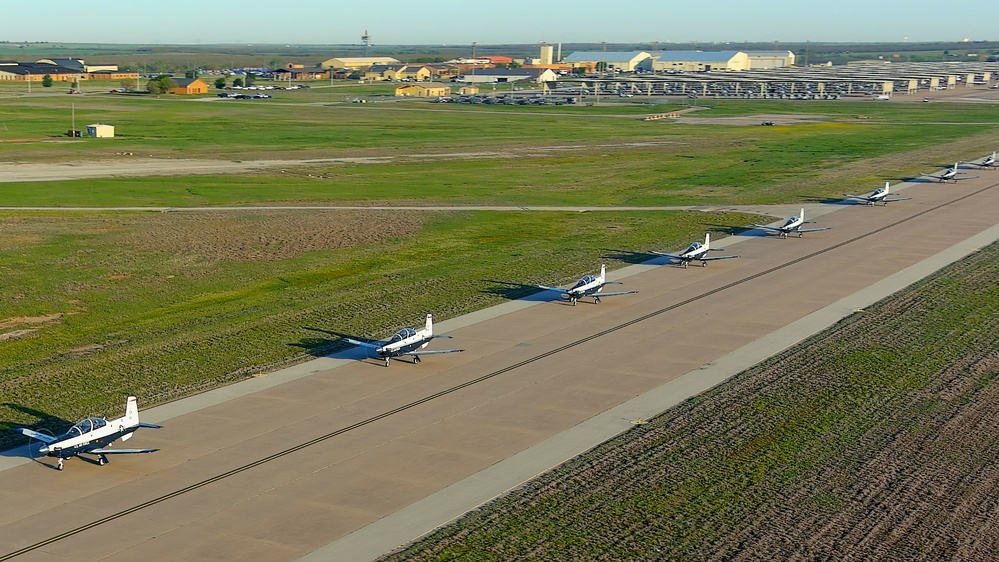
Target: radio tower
{"x":366,"y":39}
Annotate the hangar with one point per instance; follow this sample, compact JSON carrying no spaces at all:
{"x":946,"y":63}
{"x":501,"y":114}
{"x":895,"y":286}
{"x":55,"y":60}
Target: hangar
{"x":770,"y":59}
{"x":623,"y":61}
{"x":356,"y":63}
{"x":699,"y":61}
{"x":489,"y":75}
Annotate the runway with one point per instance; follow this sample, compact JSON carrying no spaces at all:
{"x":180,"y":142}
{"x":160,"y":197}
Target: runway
{"x":298,"y":463}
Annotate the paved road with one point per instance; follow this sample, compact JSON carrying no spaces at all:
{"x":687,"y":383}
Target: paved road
{"x":312,"y":458}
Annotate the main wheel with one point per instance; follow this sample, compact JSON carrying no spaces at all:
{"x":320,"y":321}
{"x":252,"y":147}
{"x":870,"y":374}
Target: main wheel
{"x":387,"y":361}
{"x":416,"y":359}
{"x":102,"y":460}
{"x":59,"y":466}
{"x":596,"y":300}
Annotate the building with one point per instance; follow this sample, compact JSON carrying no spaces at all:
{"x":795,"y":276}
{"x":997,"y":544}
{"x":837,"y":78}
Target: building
{"x":357,"y":63}
{"x":699,"y":61}
{"x":770,"y":59}
{"x":610,"y":60}
{"x":415,"y":72}
{"x":501,"y":75}
{"x":498,"y":59}
{"x":36,"y":72}
{"x":424,"y":90}
{"x":100,"y":130}
{"x":188,"y":86}
{"x":76,"y":65}
{"x":301,"y":74}
{"x":383,"y":72}
{"x":547,"y":54}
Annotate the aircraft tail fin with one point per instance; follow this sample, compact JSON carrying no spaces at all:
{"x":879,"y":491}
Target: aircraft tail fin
{"x":132,"y":411}
{"x":603,"y":271}
{"x":886,"y":186}
{"x":707,"y":240}
{"x":802,"y":215}
{"x":430,"y":324}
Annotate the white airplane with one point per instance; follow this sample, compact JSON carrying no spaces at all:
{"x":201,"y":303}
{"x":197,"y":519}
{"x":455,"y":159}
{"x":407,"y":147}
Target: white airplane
{"x":696,"y":252}
{"x":879,"y":195}
{"x":950,"y":174}
{"x":407,"y":341}
{"x":92,"y":436}
{"x":588,"y":286}
{"x":792,"y":224}
{"x":988,"y":162}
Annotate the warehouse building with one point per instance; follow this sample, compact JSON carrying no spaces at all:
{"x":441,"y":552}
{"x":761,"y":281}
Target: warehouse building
{"x":621,"y":61}
{"x":501,"y":75}
{"x":699,"y":61}
{"x":188,"y":86}
{"x":357,"y":63}
{"x":770,"y":59}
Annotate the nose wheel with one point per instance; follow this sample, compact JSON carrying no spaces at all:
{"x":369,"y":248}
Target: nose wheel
{"x":387,"y":361}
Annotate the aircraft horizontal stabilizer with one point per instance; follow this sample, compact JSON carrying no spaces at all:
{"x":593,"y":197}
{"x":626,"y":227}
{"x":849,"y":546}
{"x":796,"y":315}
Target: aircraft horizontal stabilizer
{"x":110,"y":451}
{"x":150,"y":425}
{"x":35,"y":435}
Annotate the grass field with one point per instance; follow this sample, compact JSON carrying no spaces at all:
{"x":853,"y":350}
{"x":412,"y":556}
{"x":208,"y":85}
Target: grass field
{"x":165,"y":305}
{"x":874,"y":440}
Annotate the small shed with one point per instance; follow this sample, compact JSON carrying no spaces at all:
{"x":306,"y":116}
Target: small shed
{"x":100,"y":130}
{"x":468,"y":90}
{"x":425,"y":90}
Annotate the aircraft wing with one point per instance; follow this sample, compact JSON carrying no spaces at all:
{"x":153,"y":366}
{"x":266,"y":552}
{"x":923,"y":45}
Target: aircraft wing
{"x":150,"y":425}
{"x":614,"y":294}
{"x":362,"y":343}
{"x":668,"y":255}
{"x":556,"y":289}
{"x":896,"y":199}
{"x":765,"y":227}
{"x":857,"y":197}
{"x":435,"y":352}
{"x":112,"y":451}
{"x":715,"y":258}
{"x":35,"y":435}
{"x":814,"y":229}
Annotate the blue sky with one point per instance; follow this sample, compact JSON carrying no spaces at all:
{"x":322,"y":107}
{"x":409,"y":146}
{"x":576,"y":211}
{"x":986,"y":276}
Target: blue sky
{"x":492,"y":22}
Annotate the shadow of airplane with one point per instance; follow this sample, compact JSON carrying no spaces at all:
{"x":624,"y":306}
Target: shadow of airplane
{"x":630,"y":257}
{"x":834,"y":200}
{"x":46,"y":423}
{"x":515,"y":291}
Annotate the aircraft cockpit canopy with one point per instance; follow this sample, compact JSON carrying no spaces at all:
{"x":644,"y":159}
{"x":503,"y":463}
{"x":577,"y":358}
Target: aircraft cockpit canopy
{"x":692,"y":247}
{"x":403,"y":334}
{"x":87,"y":425}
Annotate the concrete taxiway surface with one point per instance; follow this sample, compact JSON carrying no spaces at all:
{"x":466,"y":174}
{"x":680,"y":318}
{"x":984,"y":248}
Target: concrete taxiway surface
{"x":312,"y":461}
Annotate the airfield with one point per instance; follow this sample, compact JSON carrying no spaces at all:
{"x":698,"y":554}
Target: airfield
{"x":345,"y":459}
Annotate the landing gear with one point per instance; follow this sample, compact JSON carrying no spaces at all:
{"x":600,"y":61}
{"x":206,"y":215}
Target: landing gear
{"x":59,"y":466}
{"x":387,"y":361}
{"x":704,"y":264}
{"x":596,"y":300}
{"x":800,"y":235}
{"x":416,"y":359}
{"x":573,"y":301}
{"x":102,"y":460}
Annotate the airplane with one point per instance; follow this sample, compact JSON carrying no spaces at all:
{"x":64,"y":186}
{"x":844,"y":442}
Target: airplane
{"x":950,"y":174}
{"x":792,"y":224}
{"x":881,"y":194}
{"x":696,"y":251}
{"x":92,"y":436}
{"x":588,"y":286}
{"x":407,"y":341}
{"x":988,"y":162}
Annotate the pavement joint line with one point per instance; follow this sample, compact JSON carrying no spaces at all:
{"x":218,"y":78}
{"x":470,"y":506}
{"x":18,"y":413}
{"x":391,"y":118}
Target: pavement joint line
{"x":445,"y":506}
{"x":458,"y":387}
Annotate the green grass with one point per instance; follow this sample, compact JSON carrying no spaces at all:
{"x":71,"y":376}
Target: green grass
{"x":827,"y":449}
{"x":169,"y":322}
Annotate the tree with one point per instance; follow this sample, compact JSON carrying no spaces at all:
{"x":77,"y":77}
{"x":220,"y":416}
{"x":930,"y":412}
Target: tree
{"x":47,"y":81}
{"x":251,"y":78}
{"x":237,"y":83}
{"x":219,"y":83}
{"x":160,"y":85}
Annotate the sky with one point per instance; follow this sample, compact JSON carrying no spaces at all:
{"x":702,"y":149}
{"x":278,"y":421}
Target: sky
{"x":395,"y":22}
